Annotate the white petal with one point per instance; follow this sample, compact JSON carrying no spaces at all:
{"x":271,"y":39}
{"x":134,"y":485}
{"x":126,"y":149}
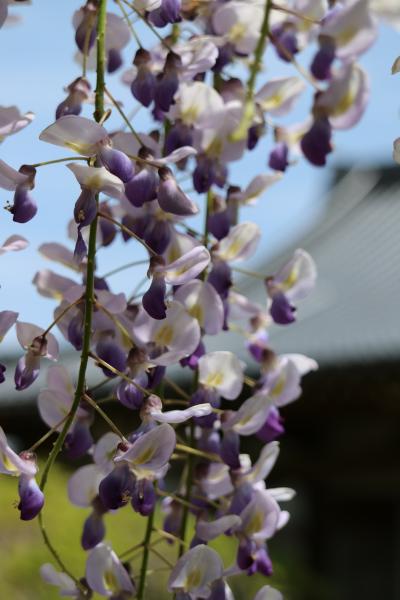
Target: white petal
{"x":98,"y":179}
{"x":222,"y":371}
{"x":180,"y":416}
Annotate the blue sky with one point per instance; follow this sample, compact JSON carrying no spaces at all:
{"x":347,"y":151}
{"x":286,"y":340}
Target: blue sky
{"x":37,"y":62}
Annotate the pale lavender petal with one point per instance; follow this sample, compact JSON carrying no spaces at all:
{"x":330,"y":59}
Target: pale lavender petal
{"x":11,"y":119}
{"x":268,"y":593}
{"x":105,"y":573}
{"x":61,"y":580}
{"x":260,"y":518}
{"x":186,"y":267}
{"x":180,"y":416}
{"x":151,"y":452}
{"x":7,"y":320}
{"x":264,"y":465}
{"x":209,"y":530}
{"x":52,"y":285}
{"x":176,"y":156}
{"x":76,"y":133}
{"x":14,"y":243}
{"x":195,"y":571}
{"x":10,"y":179}
{"x":202,"y":302}
{"x":83,"y":486}
{"x":13,"y":464}
{"x":240,"y":243}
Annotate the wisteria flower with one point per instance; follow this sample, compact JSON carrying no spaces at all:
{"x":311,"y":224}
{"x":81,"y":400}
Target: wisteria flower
{"x":22,"y":466}
{"x":223,"y":372}
{"x":195,"y":571}
{"x":105,"y":573}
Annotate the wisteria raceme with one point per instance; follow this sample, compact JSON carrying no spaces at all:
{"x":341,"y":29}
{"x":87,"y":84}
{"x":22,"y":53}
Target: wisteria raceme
{"x":206,"y":115}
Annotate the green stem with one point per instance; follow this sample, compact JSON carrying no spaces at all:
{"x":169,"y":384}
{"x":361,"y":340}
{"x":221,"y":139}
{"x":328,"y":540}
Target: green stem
{"x":135,"y":263}
{"x":128,"y":22}
{"x":104,"y":416}
{"x":46,"y":436}
{"x":188,"y":492}
{"x":89,"y":295}
{"x":145,"y":559}
{"x":149,"y":25}
{"x":125,"y":118}
{"x":57,"y":557}
{"x":259,"y":51}
{"x":128,"y":231}
{"x":59,"y":160}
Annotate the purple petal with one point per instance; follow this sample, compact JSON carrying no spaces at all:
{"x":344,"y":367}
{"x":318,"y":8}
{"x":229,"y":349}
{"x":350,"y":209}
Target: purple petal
{"x":142,"y":187}
{"x":31,"y":498}
{"x":117,"y":487}
{"x":154,"y":299}
{"x":316,"y":143}
{"x":26,"y":373}
{"x":85,"y":209}
{"x":143,"y":86}
{"x":114,"y":60}
{"x":79,"y":440}
{"x":278,"y":158}
{"x":272,"y":428}
{"x":322,"y":62}
{"x":143,"y":497}
{"x":281,"y":310}
{"x":112,"y":354}
{"x":24,"y":207}
{"x":117,"y":163}
{"x":170,"y":196}
{"x":93,"y":531}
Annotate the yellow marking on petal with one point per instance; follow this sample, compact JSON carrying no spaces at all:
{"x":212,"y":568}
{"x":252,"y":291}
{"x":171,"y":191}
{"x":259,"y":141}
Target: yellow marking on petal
{"x":144,"y":457}
{"x":237,"y":32}
{"x":8,"y":464}
{"x":346,"y":102}
{"x":233,"y":249}
{"x":95,"y":182}
{"x":193,"y":580}
{"x":272,"y":102}
{"x":346,"y":36}
{"x":190,"y":115}
{"x":255,"y":523}
{"x":214,"y":379}
{"x":80,"y":148}
{"x":110,"y":582}
{"x":164,"y":335}
{"x":291,"y":278}
{"x":278,"y":387}
{"x":196,"y":312}
{"x":214,"y":149}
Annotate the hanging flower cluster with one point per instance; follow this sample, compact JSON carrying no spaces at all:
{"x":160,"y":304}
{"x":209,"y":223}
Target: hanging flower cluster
{"x":206,"y":116}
